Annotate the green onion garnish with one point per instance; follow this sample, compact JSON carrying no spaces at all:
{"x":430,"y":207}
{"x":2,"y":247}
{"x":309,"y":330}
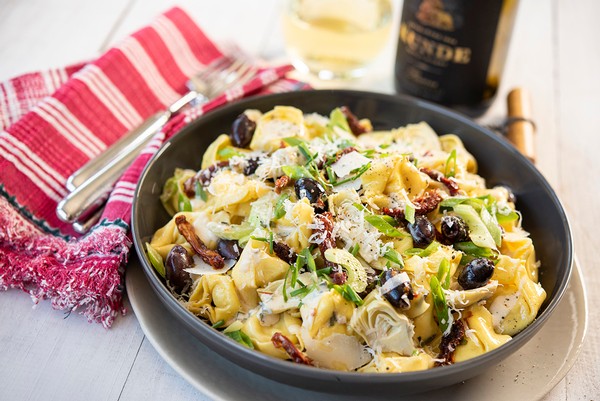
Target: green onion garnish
{"x":279,"y":211}
{"x":450,"y":170}
{"x":241,"y":338}
{"x":183,"y":203}
{"x":439,"y":304}
{"x":200,"y":192}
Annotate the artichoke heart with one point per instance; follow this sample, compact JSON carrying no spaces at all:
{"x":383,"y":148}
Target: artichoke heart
{"x":382,"y":327}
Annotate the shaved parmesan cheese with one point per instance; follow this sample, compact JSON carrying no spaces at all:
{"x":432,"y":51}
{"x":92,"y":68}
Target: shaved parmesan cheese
{"x":394,"y":282}
{"x":349,"y":162}
{"x":202,"y":268}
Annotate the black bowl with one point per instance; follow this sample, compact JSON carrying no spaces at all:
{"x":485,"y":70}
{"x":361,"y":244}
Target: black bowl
{"x":498,"y":162}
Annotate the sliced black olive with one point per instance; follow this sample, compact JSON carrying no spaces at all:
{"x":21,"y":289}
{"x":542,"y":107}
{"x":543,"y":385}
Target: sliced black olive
{"x":422,"y":231}
{"x":311,"y":190}
{"x":476,"y":273}
{"x":229,"y":249}
{"x":454,"y":229}
{"x":242,"y":131}
{"x":178,"y":260}
{"x":400,"y":295}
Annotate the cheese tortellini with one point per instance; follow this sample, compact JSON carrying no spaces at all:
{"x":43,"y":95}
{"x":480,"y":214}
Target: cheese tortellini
{"x":380,"y":252}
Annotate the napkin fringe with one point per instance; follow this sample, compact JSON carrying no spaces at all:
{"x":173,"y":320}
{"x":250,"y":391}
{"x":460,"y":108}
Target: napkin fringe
{"x":78,"y":274}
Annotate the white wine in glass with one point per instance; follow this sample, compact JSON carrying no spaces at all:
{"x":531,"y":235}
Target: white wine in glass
{"x":336,"y":38}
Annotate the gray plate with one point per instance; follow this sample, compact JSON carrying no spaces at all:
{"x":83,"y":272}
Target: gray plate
{"x":498,"y":162}
{"x":528,"y":374}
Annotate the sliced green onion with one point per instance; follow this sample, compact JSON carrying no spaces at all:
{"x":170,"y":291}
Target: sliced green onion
{"x":279,"y":211}
{"x":383,"y":226}
{"x":393,"y":256}
{"x":439,"y":304}
{"x":409,"y":213}
{"x":309,"y":260}
{"x":443,"y":273}
{"x":423,"y":252}
{"x":200,"y":192}
{"x":507,"y":216}
{"x":241,"y":338}
{"x":471,"y":249}
{"x":337,"y":118}
{"x":392,"y":221}
{"x":354,"y":250}
{"x":183,"y":203}
{"x":218,"y":324}
{"x":348,"y":293}
{"x":358,"y":172}
{"x":155,"y":259}
{"x":450,"y":170}
{"x":296,"y":172}
{"x":227,"y":153}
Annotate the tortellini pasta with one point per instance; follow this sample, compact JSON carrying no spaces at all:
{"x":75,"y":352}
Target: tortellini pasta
{"x":367,"y":253}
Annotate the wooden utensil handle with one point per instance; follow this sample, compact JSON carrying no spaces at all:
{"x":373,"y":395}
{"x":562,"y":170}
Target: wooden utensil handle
{"x":521,"y":128}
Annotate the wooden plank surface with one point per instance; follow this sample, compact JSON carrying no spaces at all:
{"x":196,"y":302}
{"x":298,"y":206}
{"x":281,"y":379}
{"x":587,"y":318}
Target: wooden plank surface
{"x":553,"y":53}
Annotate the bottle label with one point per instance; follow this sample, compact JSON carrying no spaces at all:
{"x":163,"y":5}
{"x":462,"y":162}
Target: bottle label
{"x":445,"y":47}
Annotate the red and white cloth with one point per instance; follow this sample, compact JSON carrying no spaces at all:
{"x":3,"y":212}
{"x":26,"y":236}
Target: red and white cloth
{"x":53,"y":122}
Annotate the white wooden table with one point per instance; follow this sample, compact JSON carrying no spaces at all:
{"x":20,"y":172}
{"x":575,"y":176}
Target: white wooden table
{"x":554,"y":53}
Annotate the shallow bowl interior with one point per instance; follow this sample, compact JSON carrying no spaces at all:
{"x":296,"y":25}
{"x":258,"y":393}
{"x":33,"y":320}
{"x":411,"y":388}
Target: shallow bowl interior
{"x":498,"y":162}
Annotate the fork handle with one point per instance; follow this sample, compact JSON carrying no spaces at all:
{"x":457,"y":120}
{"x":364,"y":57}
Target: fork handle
{"x":90,"y":195}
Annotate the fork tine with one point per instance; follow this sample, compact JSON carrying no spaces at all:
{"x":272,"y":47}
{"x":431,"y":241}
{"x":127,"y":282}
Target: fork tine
{"x":199,"y":81}
{"x":235,"y":78}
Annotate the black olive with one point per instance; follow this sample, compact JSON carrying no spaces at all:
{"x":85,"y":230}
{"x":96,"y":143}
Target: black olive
{"x":400,"y":295}
{"x":242,"y":131}
{"x":476,"y":273}
{"x":311,"y":190}
{"x":177,"y":260}
{"x":229,"y":249}
{"x":251,"y":166}
{"x":422,"y":231}
{"x":454,"y":229}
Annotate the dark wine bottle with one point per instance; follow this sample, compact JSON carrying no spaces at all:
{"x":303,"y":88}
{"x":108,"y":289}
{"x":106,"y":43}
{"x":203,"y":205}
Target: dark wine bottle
{"x":452,"y":52}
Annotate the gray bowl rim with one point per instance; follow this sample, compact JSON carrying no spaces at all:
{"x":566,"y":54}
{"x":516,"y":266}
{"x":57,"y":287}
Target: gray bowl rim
{"x":271,"y":367}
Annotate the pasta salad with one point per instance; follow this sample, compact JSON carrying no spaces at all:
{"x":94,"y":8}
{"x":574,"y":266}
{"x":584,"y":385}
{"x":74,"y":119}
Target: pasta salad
{"x":318,"y":240}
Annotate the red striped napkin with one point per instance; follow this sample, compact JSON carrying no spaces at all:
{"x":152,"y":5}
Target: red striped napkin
{"x":53,"y":122}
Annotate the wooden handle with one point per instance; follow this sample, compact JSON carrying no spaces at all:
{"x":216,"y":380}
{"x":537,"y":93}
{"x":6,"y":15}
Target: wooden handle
{"x":521,"y":128}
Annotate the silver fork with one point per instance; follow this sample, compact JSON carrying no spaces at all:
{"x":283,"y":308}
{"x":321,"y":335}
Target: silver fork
{"x":92,"y":184}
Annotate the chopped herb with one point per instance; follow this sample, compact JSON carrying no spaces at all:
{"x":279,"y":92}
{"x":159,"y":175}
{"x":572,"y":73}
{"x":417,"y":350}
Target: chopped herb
{"x":392,"y":221}
{"x":155,"y":259}
{"x":471,"y":249}
{"x":309,"y":260}
{"x":279,"y":211}
{"x":326,"y":271}
{"x":348,"y":293}
{"x":450,"y":170}
{"x":393,"y":256}
{"x":337,"y":118}
{"x":357,"y":173}
{"x":241,"y":338}
{"x":383,"y":226}
{"x":409,"y":213}
{"x":218,"y":324}
{"x":200,"y":192}
{"x":268,"y":240}
{"x":354,"y":250}
{"x":439,"y":304}
{"x":228,"y":152}
{"x":302,"y":147}
{"x":506,"y":215}
{"x":423,"y":252}
{"x":443,"y":274}
{"x":296,"y":172}
{"x":183,"y":203}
